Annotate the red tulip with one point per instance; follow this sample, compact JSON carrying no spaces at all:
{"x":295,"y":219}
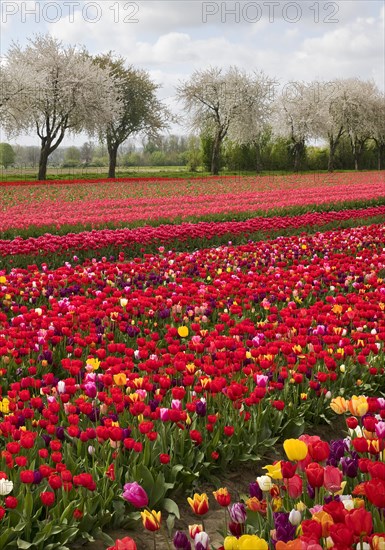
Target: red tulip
{"x":359,"y":521}
{"x":315,"y":474}
{"x":375,"y":492}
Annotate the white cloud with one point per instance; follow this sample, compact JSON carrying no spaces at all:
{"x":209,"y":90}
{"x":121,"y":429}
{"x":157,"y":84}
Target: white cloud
{"x":171,"y":40}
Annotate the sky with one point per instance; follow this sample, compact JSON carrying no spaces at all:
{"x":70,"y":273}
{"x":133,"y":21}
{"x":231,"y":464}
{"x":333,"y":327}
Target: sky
{"x":302,"y":40}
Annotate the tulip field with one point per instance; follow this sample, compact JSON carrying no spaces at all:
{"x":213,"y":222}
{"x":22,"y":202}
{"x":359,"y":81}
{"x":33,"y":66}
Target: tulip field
{"x":154,"y":332}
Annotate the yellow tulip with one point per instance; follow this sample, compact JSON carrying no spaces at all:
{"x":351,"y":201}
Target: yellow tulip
{"x":93,"y":362}
{"x":248,"y":542}
{"x":183,"y":331}
{"x":339,"y":405}
{"x":295,"y":449}
{"x":230,"y":543}
{"x":274,"y":470}
{"x":358,"y":405}
{"x":4,"y":405}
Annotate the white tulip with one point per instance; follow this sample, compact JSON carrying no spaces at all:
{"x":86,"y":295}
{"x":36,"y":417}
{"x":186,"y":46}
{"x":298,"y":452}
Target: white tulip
{"x":264,"y":483}
{"x":6,"y":486}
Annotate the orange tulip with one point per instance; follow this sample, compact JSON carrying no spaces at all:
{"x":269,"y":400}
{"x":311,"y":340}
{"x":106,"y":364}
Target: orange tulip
{"x":325,"y":520}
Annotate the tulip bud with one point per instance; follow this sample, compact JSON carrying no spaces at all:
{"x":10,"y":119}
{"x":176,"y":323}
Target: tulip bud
{"x":295,"y":517}
{"x":264,"y":483}
{"x":237,"y":512}
{"x":201,"y":541}
{"x":6,"y":486}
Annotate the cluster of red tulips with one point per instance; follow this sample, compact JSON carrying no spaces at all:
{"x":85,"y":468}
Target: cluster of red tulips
{"x":155,"y":370}
{"x":117,"y":239}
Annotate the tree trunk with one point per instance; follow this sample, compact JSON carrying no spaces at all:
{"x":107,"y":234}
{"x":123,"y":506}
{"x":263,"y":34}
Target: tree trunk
{"x":298,"y":152}
{"x":113,"y":153}
{"x":43,"y":160}
{"x":215,"y":158}
{"x":332,"y":152}
{"x":258,"y":164}
{"x":380,"y":152}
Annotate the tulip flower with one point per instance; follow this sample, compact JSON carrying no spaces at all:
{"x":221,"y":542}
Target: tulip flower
{"x":264,"y":483}
{"x":374,"y":491}
{"x":295,"y":517}
{"x":230,"y":543}
{"x":199,"y":503}
{"x":201,"y":541}
{"x":135,"y":495}
{"x":246,"y":542}
{"x":359,"y":521}
{"x":295,"y":449}
{"x":274,"y":470}
{"x":256,"y":505}
{"x":151,"y":520}
{"x":237,"y":512}
{"x":294,"y":486}
{"x":315,"y":474}
{"x":332,"y":479}
{"x":181,"y":541}
{"x":341,"y":535}
{"x":222,"y":496}
{"x":319,"y":451}
{"x":183,"y":331}
{"x":358,"y":405}
{"x":339,"y":405}
{"x":325,"y":520}
{"x":195,"y":529}
{"x":6,"y":486}
{"x":126,"y":543}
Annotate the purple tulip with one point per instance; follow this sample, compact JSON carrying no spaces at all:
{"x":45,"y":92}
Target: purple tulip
{"x":255,"y":490}
{"x":284,"y":530}
{"x":181,"y":541}
{"x":349,"y":466}
{"x":135,"y":494}
{"x":237,"y":512}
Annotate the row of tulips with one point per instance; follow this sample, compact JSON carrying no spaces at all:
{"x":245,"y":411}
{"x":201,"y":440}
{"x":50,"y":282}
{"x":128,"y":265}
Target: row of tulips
{"x":157,"y":369}
{"x":129,"y":203}
{"x":320,"y":495}
{"x":125,"y":238}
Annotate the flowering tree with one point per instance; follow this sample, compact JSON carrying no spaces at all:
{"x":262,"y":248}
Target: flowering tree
{"x":378,"y":134}
{"x":69,"y":93}
{"x":357,"y":107}
{"x":225,"y":104}
{"x":294,"y":113}
{"x":329,"y":123}
{"x":141,"y":113}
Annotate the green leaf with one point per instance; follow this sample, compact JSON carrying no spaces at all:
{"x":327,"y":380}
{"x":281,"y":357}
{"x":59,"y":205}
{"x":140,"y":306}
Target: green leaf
{"x":5,"y":537}
{"x":68,"y":511}
{"x":171,"y":507}
{"x":68,"y":534}
{"x":28,"y":505}
{"x":170,"y":522}
{"x":23,"y":544}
